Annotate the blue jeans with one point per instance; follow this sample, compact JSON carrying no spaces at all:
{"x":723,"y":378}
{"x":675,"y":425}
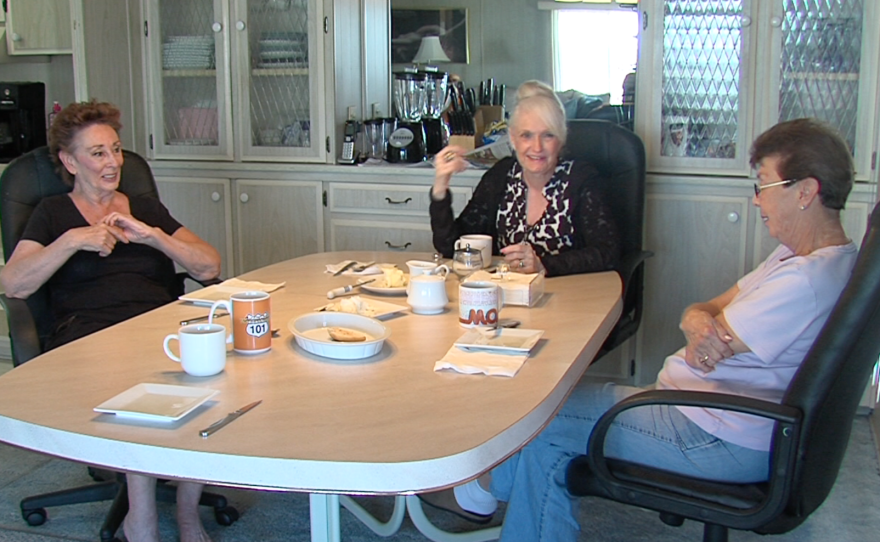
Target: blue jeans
{"x":539,"y":508}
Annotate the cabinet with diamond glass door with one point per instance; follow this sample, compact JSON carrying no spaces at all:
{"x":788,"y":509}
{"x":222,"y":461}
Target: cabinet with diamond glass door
{"x":716,"y":73}
{"x":236,"y":79}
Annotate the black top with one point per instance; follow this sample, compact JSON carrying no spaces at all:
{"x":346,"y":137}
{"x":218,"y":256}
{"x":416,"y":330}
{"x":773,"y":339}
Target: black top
{"x":576,"y":234}
{"x":90,"y":292}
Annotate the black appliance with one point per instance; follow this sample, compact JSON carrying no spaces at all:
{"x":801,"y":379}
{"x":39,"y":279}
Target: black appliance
{"x":22,"y":119}
{"x":407,"y":142}
{"x":436,"y":128}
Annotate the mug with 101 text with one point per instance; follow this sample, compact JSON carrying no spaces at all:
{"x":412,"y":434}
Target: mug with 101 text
{"x":251,"y":321}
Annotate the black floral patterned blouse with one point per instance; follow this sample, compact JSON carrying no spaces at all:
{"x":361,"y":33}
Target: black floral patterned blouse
{"x":576,"y":233}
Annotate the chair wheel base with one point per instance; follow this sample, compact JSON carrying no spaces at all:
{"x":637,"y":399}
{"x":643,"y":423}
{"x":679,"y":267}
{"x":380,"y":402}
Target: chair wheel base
{"x":226,"y":516}
{"x":35,"y":517}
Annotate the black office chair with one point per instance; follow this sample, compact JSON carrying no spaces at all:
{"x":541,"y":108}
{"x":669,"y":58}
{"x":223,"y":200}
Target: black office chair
{"x":813,"y":424}
{"x":25,"y":181}
{"x":619,"y":155}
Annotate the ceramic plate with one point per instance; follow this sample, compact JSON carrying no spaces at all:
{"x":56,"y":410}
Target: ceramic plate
{"x":379,"y":287}
{"x":158,"y":402}
{"x":207,"y":296}
{"x":372,"y":308}
{"x":514,"y":340}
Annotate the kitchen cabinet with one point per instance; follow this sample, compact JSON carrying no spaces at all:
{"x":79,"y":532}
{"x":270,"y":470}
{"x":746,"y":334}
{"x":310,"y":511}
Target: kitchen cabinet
{"x":276,"y":221}
{"x":38,"y":27}
{"x":367,"y":216}
{"x":204,"y":206}
{"x":236,"y":79}
{"x":713,"y":75}
{"x":705,"y":235}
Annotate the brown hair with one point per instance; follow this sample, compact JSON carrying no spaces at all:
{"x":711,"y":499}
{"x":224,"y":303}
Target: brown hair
{"x":73,"y":119}
{"x":809,"y":148}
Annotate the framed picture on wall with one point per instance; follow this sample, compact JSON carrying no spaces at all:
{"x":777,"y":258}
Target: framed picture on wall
{"x":410,"y":26}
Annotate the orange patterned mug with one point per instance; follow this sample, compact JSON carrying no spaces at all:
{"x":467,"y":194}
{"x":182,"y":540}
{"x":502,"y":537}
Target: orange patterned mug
{"x":251,"y":321}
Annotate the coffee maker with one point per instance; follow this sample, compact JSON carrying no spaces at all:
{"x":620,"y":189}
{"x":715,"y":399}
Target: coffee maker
{"x":407,"y":142}
{"x":436,"y":129}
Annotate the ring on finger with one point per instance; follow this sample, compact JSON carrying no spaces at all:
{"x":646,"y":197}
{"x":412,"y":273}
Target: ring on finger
{"x":522,"y":264}
{"x":705,"y":358}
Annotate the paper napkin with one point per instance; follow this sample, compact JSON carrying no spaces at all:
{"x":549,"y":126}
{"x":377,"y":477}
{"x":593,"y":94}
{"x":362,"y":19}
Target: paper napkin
{"x":481,"y":362}
{"x":372,"y":270}
{"x":252,"y":285}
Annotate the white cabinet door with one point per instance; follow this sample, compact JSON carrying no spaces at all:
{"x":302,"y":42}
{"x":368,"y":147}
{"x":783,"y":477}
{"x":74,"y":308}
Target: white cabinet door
{"x":700,"y":250}
{"x":39,"y":27}
{"x":276,"y":221}
{"x":203,"y":206}
{"x":237,"y":79}
{"x":715,"y":74}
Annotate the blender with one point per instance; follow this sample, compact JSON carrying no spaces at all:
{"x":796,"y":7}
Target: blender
{"x":407,"y":142}
{"x":436,"y":129}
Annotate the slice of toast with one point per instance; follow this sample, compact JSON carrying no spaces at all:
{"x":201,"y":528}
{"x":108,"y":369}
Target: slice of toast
{"x":345,"y":335}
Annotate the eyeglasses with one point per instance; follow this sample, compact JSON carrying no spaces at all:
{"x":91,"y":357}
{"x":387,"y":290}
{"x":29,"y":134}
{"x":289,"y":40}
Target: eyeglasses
{"x":760,"y":187}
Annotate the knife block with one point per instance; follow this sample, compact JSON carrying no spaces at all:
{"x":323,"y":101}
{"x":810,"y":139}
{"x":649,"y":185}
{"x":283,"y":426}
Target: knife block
{"x":464,"y":141}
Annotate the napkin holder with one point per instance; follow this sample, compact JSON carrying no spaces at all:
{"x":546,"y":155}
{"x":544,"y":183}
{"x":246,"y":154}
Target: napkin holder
{"x":516,"y":288}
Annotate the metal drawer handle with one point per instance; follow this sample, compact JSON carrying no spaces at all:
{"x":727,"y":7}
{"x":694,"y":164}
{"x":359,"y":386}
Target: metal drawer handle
{"x":392,"y":202}
{"x":398,"y":247}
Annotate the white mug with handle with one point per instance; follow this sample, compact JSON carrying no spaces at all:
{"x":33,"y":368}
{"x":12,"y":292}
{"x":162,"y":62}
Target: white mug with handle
{"x":202,"y":348}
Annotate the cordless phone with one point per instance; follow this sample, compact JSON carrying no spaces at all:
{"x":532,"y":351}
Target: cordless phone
{"x":348,"y":142}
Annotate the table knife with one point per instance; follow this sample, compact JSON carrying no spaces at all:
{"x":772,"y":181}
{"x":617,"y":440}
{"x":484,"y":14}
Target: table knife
{"x":345,"y":268}
{"x":232,"y":416}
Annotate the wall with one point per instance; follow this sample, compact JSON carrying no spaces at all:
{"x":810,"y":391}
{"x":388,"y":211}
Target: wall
{"x":509,"y":40}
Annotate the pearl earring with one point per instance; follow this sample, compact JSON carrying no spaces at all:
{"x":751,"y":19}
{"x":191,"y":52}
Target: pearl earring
{"x":803,"y":207}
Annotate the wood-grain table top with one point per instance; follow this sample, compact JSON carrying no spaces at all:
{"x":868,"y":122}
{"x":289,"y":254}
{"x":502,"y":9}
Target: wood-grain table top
{"x":388,"y":424}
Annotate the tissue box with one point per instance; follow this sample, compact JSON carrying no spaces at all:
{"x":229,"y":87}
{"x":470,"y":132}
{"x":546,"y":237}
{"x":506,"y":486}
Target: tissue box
{"x":516,"y":288}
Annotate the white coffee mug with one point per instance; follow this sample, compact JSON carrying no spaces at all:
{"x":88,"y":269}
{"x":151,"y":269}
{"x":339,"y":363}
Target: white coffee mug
{"x":479,"y":303}
{"x":427,"y":294}
{"x":483,"y":243}
{"x":421,"y":267}
{"x":202,"y":348}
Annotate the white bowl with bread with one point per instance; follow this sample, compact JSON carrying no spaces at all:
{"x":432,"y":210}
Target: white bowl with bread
{"x":339,"y":335}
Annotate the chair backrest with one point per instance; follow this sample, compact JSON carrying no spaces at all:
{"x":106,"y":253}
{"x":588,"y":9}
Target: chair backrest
{"x":829,"y":384}
{"x":30,"y":178}
{"x":619,"y":155}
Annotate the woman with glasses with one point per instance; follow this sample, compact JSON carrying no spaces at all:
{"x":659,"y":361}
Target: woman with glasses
{"x":748,"y":341}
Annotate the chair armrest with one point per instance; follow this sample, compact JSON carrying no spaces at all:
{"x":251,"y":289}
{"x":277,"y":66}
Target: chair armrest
{"x":659,"y":489}
{"x":23,"y":334}
{"x":630,"y":262}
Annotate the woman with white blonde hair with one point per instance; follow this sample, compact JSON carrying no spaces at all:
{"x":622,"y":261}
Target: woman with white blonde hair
{"x":543,"y":213}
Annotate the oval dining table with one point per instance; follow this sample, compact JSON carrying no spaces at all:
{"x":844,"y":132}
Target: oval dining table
{"x":384,"y":425}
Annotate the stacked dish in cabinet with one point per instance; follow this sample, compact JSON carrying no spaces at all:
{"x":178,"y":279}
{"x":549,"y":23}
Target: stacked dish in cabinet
{"x":188,"y":53}
{"x":283,"y":50}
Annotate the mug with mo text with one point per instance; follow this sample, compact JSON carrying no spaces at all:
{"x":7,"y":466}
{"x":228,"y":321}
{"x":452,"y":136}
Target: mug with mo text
{"x":251,"y":321}
{"x":202,"y":348}
{"x":479,"y":303}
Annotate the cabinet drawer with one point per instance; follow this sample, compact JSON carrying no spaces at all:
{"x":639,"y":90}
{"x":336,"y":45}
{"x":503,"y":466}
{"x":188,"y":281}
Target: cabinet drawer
{"x":385,"y":198}
{"x":347,"y":234}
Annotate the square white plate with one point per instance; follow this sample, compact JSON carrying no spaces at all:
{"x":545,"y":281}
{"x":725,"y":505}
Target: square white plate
{"x":369,"y":307}
{"x":158,"y":402}
{"x":505,"y":339}
{"x":207,"y":296}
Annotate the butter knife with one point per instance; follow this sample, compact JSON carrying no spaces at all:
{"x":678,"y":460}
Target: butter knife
{"x":345,"y":268}
{"x":336,"y":292}
{"x":232,"y":416}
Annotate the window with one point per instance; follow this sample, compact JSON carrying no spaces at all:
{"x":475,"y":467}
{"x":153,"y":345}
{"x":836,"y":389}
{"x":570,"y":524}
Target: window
{"x":594,"y":49}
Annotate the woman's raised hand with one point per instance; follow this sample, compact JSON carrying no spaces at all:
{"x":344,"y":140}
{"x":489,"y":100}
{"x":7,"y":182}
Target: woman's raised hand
{"x":448,"y":161}
{"x":130,"y":228}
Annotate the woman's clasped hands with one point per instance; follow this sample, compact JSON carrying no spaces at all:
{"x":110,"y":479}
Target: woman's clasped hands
{"x":113,"y":228}
{"x":708,"y":342}
{"x":522,"y":258}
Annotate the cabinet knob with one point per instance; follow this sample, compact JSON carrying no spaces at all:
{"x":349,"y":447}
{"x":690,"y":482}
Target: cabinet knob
{"x":392,"y":246}
{"x":216,"y":27}
{"x":733,"y":217}
{"x":240,"y":25}
{"x":215,"y":196}
{"x":745,"y":21}
{"x":243,"y":197}
{"x":776,"y":22}
{"x":16,"y":36}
